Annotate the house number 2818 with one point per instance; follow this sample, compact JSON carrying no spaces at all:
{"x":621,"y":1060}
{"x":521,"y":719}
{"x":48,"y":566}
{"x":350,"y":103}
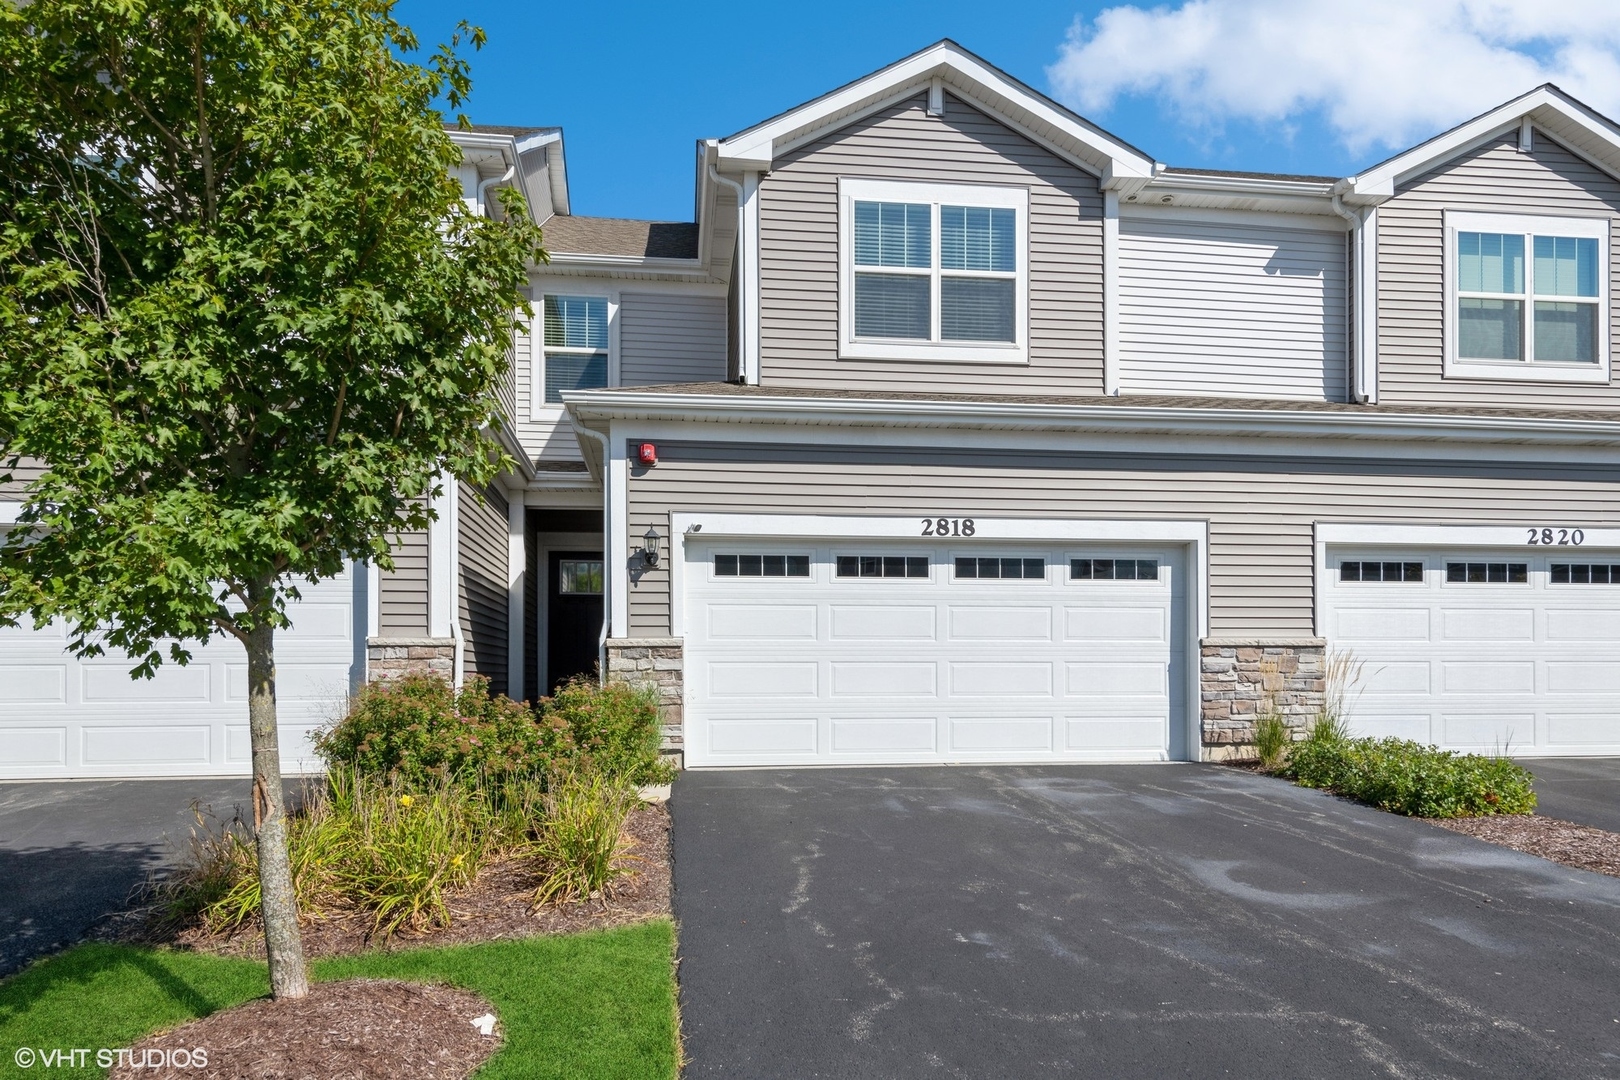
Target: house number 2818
{"x":947,"y":526}
{"x":1556,"y":537}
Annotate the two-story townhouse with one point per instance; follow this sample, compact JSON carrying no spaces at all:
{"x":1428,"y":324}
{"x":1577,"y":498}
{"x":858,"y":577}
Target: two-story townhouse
{"x":954,"y":429}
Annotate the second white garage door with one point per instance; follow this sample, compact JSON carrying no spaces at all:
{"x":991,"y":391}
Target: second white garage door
{"x":1493,"y":650}
{"x":860,"y":652}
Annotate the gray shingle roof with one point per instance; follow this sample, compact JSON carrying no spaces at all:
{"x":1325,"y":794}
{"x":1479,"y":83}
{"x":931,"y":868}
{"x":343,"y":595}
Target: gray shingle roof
{"x":572,"y":235}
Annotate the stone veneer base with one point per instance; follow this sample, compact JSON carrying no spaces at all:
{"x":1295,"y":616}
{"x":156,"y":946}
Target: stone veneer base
{"x":1230,"y":678}
{"x":391,"y":657}
{"x":659,"y":663}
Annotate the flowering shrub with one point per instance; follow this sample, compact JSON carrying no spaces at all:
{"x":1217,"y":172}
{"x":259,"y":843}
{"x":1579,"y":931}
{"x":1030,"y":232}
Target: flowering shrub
{"x":1410,"y":778}
{"x":418,"y":728}
{"x":612,"y":729}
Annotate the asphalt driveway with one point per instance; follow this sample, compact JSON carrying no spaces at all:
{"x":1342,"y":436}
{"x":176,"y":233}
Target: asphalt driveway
{"x":1583,"y":790}
{"x":72,"y":852}
{"x":1121,"y":921}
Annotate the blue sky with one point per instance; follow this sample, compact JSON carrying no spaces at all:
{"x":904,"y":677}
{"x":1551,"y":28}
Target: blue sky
{"x":1275,"y":85}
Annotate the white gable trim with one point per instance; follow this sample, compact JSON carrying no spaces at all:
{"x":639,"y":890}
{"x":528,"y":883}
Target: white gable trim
{"x":965,"y":75}
{"x":1561,"y":118}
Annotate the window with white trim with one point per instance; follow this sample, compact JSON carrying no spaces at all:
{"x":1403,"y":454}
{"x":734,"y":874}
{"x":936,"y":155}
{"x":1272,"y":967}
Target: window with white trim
{"x":574,"y":338}
{"x":1527,"y":297}
{"x":933,"y":271}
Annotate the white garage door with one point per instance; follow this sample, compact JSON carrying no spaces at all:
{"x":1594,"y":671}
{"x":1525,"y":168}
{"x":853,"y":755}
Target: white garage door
{"x":872,"y":651}
{"x":61,"y":717}
{"x":1471,"y":650}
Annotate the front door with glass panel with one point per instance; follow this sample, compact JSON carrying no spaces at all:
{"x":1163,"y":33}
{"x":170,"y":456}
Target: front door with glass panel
{"x":573,"y":615}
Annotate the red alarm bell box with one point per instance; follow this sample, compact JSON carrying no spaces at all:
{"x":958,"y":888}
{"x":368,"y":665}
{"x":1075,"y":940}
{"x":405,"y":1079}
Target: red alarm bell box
{"x":647,"y":453}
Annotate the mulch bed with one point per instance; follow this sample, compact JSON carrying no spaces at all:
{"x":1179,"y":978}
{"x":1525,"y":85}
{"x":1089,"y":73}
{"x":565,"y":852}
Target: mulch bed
{"x":374,"y":1029}
{"x":498,"y":905}
{"x":1580,"y":846}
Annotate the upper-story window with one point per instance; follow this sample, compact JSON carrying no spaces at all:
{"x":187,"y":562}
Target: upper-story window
{"x":1528,"y":297}
{"x":932,"y":271}
{"x":575,"y":343}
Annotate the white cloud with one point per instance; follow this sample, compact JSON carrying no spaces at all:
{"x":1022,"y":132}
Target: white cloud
{"x":1385,"y":73}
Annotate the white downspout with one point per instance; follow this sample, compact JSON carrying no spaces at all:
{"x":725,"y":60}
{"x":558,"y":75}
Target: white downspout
{"x":483,"y":201}
{"x":1356,"y":372}
{"x":607,"y":574}
{"x":745,"y":363}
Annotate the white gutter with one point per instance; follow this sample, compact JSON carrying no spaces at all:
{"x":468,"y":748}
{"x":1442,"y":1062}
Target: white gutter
{"x":747,"y":284}
{"x":1354,"y":297}
{"x":1026,"y":416}
{"x":607,"y":574}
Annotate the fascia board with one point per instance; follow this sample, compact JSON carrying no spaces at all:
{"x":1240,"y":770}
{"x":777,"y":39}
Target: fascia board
{"x":755,"y":148}
{"x":585,"y":406}
{"x":1380,"y":182}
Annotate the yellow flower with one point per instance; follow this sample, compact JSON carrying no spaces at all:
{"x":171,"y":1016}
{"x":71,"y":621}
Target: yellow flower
{"x":405,"y":801}
{"x":457,"y":860}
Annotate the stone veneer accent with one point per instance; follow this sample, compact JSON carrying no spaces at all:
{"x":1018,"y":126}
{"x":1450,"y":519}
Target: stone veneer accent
{"x":655,"y":662}
{"x":1231,"y":686}
{"x":391,"y":657}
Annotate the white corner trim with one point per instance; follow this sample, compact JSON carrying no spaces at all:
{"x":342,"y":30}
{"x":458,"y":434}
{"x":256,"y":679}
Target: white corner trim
{"x":373,"y":598}
{"x":442,"y":561}
{"x":517,"y":559}
{"x":615,"y":526}
{"x":1110,"y":268}
{"x":1527,"y":370}
{"x":936,"y":349}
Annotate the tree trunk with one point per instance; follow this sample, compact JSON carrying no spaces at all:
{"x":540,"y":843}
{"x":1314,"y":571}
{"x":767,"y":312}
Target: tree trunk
{"x":278,"y":904}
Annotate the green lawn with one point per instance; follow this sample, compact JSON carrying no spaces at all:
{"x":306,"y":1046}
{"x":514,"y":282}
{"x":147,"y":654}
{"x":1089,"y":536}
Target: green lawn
{"x":600,"y":1004}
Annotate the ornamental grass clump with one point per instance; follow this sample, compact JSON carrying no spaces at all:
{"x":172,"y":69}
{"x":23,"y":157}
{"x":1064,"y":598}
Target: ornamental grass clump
{"x":581,"y":844}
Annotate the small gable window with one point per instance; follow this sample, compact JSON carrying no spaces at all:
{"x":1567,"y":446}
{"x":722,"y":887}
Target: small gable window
{"x":932,"y":272}
{"x":1527,"y":297}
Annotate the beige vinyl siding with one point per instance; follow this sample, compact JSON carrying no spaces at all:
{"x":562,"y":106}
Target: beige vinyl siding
{"x":26,"y":472}
{"x":1260,"y":510}
{"x":798,"y":256}
{"x":1229,"y":308}
{"x":1498,"y":178}
{"x":671,"y":337}
{"x":482,"y":599}
{"x":402,"y":596}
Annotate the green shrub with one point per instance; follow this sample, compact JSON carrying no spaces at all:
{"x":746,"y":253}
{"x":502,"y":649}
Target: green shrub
{"x":612,"y":729}
{"x":581,"y":842}
{"x":419,"y":729}
{"x":1409,"y":778}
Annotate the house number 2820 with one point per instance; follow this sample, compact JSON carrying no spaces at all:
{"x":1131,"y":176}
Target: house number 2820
{"x":947,"y":526}
{"x":1557,"y":537}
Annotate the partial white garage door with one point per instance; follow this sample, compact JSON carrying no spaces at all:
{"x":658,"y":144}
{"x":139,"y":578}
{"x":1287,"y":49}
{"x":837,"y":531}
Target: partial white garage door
{"x":872,"y":651}
{"x":61,"y":717}
{"x":1481,"y":650}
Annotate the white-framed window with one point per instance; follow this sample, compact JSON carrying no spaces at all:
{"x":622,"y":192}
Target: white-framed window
{"x":574,"y":336}
{"x":933,"y":271}
{"x":1527,"y":297}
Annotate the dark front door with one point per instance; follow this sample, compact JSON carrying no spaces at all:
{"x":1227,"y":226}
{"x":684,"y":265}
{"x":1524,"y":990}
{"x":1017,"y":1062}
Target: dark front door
{"x":573,"y":615}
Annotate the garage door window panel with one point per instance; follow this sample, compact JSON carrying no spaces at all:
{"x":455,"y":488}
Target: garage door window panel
{"x":1584,"y":574}
{"x":1487,"y":573}
{"x":996,"y":568}
{"x":1381,"y":570}
{"x":881,"y":566}
{"x":761,"y":566}
{"x":1113,"y":569}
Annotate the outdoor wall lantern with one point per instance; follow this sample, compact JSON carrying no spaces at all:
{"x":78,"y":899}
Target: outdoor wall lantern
{"x":649,"y":546}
